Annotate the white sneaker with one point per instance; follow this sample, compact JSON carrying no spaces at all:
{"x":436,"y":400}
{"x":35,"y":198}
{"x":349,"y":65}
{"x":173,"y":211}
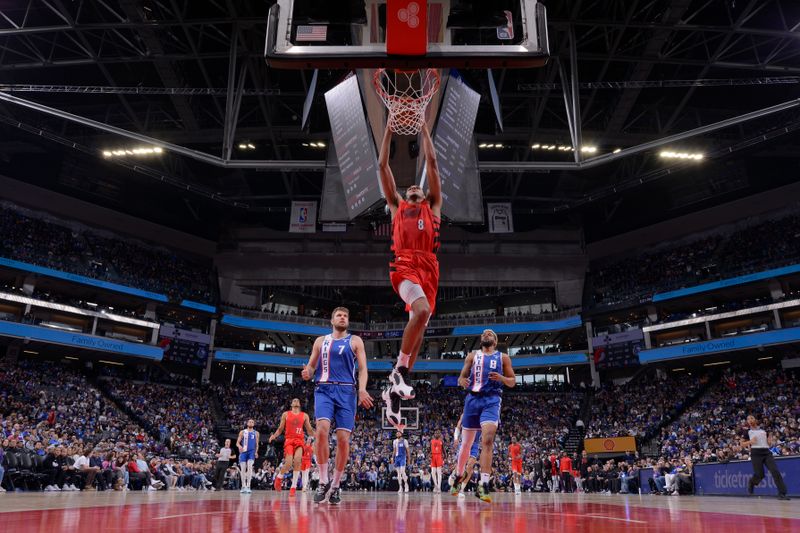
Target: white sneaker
{"x":151,"y":489}
{"x":48,"y":488}
{"x":400,"y":387}
{"x":74,"y":488}
{"x":393,"y":405}
{"x":406,"y":488}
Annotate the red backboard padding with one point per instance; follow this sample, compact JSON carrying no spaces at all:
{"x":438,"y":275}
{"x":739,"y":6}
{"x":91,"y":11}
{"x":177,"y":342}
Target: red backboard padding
{"x":407,"y":27}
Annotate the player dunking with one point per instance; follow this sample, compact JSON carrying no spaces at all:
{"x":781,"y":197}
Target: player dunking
{"x":414,"y":272}
{"x":247,"y":442}
{"x":515,"y":453}
{"x":305,"y":465}
{"x":437,"y":461}
{"x":484,"y":374}
{"x":294,"y":422}
{"x":401,"y":455}
{"x":336,"y":397}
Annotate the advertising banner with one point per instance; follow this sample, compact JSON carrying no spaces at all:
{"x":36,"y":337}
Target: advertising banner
{"x":610,"y":445}
{"x":732,"y":478}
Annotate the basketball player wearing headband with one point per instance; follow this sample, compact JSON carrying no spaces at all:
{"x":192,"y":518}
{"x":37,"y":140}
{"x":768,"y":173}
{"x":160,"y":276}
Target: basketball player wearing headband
{"x":414,"y":271}
{"x":485,"y":373}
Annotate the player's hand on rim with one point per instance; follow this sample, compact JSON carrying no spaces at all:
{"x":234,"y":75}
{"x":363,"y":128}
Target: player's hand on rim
{"x":364,"y":399}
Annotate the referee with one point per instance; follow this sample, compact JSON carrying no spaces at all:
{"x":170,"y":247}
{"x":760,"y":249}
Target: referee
{"x":761,"y":455}
{"x":223,"y":462}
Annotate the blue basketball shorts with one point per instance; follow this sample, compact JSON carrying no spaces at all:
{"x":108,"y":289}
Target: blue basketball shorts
{"x":336,"y":403}
{"x":479,"y":410}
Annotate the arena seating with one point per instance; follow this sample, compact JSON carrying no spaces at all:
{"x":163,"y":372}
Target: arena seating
{"x":713,"y":427}
{"x":52,"y":244}
{"x":639,"y":407}
{"x":758,"y":246}
{"x":47,"y":406}
{"x":180,"y":416}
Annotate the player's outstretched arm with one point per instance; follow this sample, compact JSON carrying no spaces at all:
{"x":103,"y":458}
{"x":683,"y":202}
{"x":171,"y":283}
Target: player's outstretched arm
{"x":387,"y":178}
{"x":280,"y":428}
{"x":364,"y":399}
{"x":432,"y":171}
{"x":311,"y":366}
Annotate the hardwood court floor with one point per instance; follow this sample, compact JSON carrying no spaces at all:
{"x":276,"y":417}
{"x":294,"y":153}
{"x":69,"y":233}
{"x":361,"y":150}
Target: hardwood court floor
{"x":178,"y":512}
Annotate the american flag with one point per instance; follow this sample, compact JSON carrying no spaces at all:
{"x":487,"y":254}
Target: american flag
{"x":312,"y":33}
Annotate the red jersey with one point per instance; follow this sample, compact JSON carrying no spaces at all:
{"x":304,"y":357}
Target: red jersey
{"x":566,"y":464}
{"x":515,"y":450}
{"x":553,"y":465}
{"x":436,"y":447}
{"x":308,"y":452}
{"x":415,"y":227}
{"x":294,"y":425}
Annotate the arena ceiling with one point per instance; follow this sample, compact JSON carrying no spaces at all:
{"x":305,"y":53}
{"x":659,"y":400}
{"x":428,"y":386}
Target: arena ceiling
{"x":177,"y":70}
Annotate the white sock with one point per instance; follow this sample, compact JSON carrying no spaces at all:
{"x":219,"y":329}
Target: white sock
{"x":516,"y":486}
{"x":305,"y":479}
{"x":403,"y":359}
{"x":323,"y":473}
{"x":485,"y":477}
{"x":337,"y":478}
{"x":295,"y":477}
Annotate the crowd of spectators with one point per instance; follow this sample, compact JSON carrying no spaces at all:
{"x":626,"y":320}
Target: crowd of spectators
{"x":712,"y":429}
{"x":539,"y":420}
{"x":55,"y":423}
{"x":755,"y":247}
{"x":180,"y":416}
{"x":639,"y":408}
{"x":129,"y":433}
{"x":49,"y":243}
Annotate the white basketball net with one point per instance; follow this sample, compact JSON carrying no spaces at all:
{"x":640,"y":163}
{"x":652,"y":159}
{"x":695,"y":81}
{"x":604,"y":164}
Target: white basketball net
{"x":406,"y":94}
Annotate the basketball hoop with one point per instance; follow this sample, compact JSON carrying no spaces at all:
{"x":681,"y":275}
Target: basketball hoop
{"x":406,"y":94}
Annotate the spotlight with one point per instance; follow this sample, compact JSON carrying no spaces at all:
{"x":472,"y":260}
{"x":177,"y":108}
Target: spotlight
{"x":669,"y":154}
{"x":137,"y":151}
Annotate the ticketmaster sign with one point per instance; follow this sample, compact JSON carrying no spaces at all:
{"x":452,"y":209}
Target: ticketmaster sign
{"x":731,"y":478}
{"x":692,"y":349}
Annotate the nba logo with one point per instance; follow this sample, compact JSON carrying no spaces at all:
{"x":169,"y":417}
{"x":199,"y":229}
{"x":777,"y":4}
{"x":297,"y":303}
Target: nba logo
{"x":407,"y":27}
{"x":506,"y":33}
{"x":303,"y":214}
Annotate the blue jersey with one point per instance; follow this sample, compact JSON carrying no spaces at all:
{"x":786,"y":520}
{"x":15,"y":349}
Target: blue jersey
{"x":402,"y":451}
{"x":482,"y":365}
{"x":337,"y":361}
{"x":249,"y":440}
